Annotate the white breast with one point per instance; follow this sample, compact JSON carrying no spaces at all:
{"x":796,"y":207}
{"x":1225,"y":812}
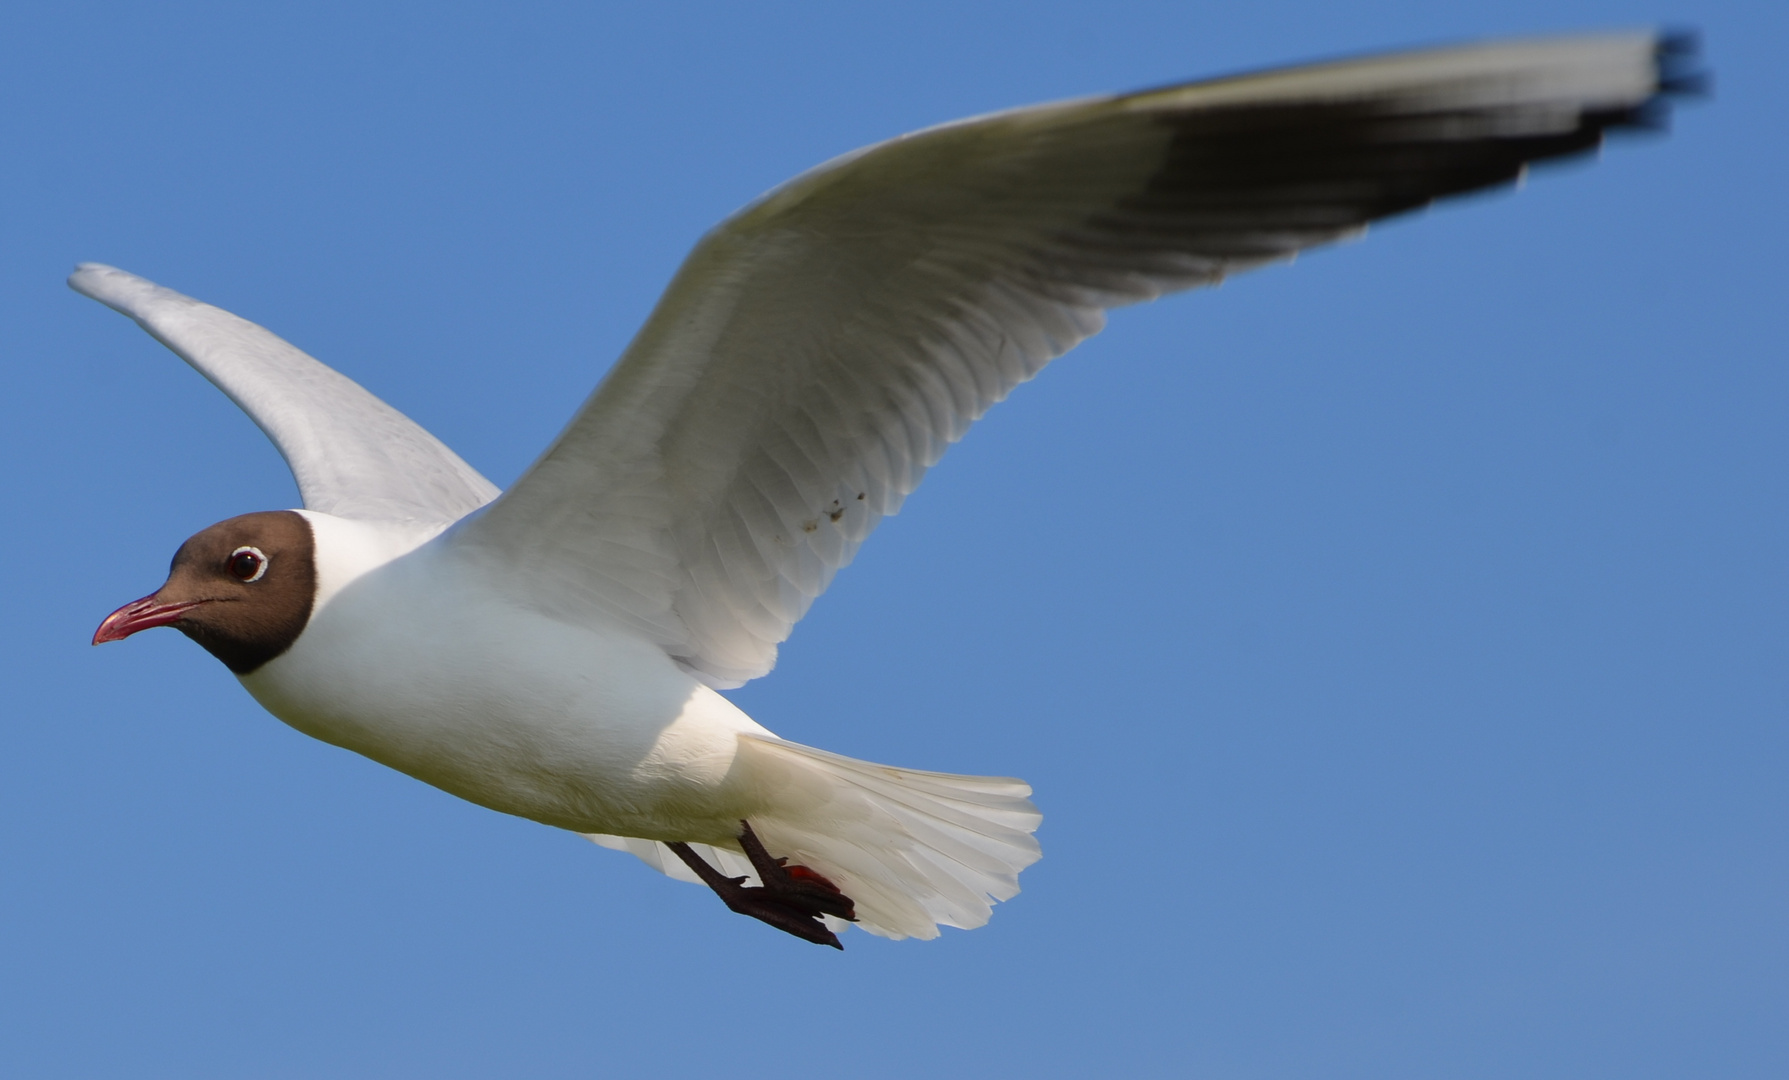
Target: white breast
{"x":415,"y":662}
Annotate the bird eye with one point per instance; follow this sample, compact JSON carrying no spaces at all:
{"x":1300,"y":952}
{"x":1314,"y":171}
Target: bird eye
{"x":246,"y":564}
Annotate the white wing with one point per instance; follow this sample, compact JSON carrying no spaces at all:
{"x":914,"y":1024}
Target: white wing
{"x":353,"y":455}
{"x":820,"y":350}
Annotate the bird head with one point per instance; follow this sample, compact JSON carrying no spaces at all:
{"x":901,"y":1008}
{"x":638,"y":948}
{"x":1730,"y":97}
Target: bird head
{"x":243,"y":589}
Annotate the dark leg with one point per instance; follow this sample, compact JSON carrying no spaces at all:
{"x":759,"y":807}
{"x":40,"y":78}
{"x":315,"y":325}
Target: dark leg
{"x":792,"y":898}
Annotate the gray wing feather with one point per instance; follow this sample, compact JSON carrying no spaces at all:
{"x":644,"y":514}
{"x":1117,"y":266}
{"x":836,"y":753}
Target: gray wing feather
{"x":817,"y":352}
{"x":353,"y":455}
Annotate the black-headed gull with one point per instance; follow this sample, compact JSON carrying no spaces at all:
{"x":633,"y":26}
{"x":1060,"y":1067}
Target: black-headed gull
{"x":554,"y":651}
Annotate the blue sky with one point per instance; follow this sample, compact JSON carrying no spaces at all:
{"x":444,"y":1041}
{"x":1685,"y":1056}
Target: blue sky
{"x":1396,"y":640}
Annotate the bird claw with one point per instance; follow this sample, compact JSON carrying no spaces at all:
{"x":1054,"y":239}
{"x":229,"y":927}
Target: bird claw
{"x":791,"y":898}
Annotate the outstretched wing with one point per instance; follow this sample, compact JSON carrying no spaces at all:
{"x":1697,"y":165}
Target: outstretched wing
{"x":820,"y":350}
{"x":353,"y":455}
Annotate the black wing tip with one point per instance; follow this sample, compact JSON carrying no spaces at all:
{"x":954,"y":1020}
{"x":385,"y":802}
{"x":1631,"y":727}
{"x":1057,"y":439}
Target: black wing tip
{"x":1679,"y":58}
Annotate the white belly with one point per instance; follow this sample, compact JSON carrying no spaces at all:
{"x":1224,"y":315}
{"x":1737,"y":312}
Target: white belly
{"x":586,"y":728}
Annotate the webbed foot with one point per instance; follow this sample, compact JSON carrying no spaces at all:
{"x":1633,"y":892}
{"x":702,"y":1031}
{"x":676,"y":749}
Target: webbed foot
{"x":791,"y":898}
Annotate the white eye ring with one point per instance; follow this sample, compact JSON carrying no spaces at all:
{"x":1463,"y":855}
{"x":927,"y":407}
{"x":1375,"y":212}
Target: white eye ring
{"x":260,"y":556}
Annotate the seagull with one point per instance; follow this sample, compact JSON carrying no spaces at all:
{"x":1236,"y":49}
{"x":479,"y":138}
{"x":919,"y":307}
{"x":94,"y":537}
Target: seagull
{"x":556,"y":651}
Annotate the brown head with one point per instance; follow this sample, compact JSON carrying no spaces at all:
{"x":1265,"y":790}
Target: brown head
{"x":243,"y":589}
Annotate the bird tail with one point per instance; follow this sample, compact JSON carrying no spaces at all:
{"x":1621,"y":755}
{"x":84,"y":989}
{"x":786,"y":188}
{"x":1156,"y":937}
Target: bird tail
{"x":913,"y":850}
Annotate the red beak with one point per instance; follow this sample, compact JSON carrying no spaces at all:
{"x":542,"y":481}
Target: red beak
{"x":140,"y":615}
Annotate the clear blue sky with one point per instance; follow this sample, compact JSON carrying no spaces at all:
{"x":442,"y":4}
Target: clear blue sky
{"x":1396,"y":640}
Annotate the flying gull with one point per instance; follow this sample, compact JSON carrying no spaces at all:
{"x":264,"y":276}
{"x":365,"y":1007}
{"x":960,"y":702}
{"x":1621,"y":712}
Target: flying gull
{"x":555,"y":651}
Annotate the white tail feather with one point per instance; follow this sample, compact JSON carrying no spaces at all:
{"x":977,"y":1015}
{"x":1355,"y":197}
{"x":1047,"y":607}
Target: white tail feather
{"x":914,"y":850}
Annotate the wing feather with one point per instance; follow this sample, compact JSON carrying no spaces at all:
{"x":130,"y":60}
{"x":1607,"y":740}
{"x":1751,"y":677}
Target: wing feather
{"x":353,"y":455}
{"x":820,"y":350}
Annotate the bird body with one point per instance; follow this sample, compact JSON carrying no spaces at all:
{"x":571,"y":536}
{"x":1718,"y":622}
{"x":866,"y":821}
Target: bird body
{"x":555,"y":651}
{"x":580,"y":725}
